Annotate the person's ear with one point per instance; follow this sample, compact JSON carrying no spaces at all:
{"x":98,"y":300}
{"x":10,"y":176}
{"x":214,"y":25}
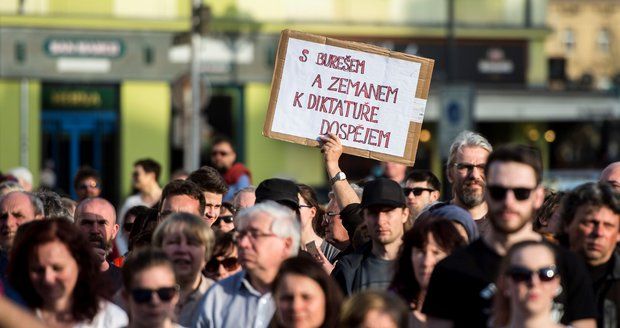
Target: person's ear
{"x":288,"y":247}
{"x":405,"y":215}
{"x":435,"y":195}
{"x":539,"y":197}
{"x":115,"y":229}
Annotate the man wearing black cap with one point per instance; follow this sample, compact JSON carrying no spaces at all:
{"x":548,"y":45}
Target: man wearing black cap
{"x":281,"y":191}
{"x":385,"y":213}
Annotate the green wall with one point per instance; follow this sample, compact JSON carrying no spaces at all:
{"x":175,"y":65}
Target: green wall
{"x":269,"y":158}
{"x":145,"y":124}
{"x":10,"y":90}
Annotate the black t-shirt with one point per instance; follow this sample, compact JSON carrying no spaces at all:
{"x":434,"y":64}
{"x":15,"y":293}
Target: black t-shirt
{"x":462,"y":287}
{"x":606,"y":283}
{"x":112,"y":281}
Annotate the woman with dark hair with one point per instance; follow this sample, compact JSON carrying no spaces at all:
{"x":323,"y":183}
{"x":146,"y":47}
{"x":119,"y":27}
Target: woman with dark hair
{"x":428,"y":242}
{"x":528,"y":283}
{"x":305,"y":295}
{"x":143,"y":228}
{"x":224,"y":262}
{"x":374,"y":308}
{"x":225,"y":222}
{"x":55,"y":270}
{"x":151,"y":291}
{"x":310,"y":212}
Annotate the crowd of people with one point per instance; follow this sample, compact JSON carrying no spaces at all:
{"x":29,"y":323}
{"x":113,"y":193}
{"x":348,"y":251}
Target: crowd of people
{"x":208,"y":249}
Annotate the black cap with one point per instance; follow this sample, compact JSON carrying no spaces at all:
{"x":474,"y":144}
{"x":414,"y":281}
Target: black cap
{"x":383,"y":192}
{"x":279,"y":190}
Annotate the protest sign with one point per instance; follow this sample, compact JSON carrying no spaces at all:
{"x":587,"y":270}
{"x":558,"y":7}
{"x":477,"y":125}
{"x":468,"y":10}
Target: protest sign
{"x":372,"y":98}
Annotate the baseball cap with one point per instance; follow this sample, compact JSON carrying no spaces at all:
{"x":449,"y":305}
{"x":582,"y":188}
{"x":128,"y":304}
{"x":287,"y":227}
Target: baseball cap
{"x":279,"y":190}
{"x":384,"y":192}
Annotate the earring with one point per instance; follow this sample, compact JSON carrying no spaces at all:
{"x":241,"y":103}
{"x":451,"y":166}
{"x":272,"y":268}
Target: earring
{"x":558,"y":291}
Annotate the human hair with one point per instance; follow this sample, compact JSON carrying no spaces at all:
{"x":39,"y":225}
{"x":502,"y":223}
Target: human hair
{"x":191,"y":226}
{"x":229,"y":206}
{"x":183,"y":187}
{"x":142,"y":259}
{"x":523,"y":154}
{"x":149,"y":166}
{"x":10,"y":186}
{"x":237,"y":195}
{"x":501,"y":302}
{"x":595,"y":194}
{"x":225,"y":242}
{"x":222,"y":139}
{"x":307,"y":267}
{"x":84,"y":173}
{"x":142,"y":230}
{"x":52,"y":204}
{"x":552,"y":202}
{"x":69,"y":205}
{"x":284,"y":223}
{"x":445,"y":235}
{"x":135,"y":211}
{"x":35,"y":202}
{"x":209,"y":179}
{"x":87,"y":291}
{"x":355,"y":308}
{"x":467,"y":139}
{"x":424,"y":176}
{"x":309,"y":195}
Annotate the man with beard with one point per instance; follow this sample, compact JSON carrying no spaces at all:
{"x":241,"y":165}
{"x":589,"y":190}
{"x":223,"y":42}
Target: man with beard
{"x":96,"y":217}
{"x":465,"y":171}
{"x":385,"y":214}
{"x":462,"y":286}
{"x":268,"y":233}
{"x":591,"y":215}
{"x":236,"y":175}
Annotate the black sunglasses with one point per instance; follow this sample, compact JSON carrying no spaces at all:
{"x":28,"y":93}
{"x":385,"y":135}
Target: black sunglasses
{"x":230,"y":264}
{"x":499,"y":193}
{"x":143,"y":295}
{"x":417,"y":191}
{"x":521,"y":274}
{"x":226,"y":219}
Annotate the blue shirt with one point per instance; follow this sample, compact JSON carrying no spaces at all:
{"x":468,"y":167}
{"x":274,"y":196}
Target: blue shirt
{"x":233,"y":302}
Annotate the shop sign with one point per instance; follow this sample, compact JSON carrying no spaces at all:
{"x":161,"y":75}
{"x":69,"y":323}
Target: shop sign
{"x":80,"y":97}
{"x":82,"y":47}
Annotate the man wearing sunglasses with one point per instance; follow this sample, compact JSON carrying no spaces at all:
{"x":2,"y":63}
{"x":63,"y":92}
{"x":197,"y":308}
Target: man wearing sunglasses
{"x":591,"y":214}
{"x":268,"y":233}
{"x":421,"y":189}
{"x":462,"y":286}
{"x":87,"y":183}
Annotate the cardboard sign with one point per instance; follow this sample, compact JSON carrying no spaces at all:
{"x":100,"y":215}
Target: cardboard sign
{"x":372,"y":98}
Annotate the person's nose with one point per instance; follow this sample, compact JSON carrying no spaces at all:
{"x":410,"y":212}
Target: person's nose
{"x":597,"y":230}
{"x":49,"y":276}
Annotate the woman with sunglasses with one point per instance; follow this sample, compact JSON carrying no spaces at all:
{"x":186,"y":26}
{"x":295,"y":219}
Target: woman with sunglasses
{"x":151,"y":291}
{"x":528,"y":283}
{"x":53,"y":267}
{"x":225,"y":222}
{"x":224,"y":262}
{"x":188,"y":242}
{"x":429,"y":241}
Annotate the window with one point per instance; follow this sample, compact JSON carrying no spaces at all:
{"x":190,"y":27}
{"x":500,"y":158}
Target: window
{"x":603,"y":40}
{"x":569,"y":39}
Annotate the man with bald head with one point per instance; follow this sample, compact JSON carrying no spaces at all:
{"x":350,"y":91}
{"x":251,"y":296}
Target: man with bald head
{"x":96,"y":217}
{"x":611,"y":175}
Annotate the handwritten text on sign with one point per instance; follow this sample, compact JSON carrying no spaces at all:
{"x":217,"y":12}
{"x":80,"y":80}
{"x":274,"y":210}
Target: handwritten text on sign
{"x":366,"y":99}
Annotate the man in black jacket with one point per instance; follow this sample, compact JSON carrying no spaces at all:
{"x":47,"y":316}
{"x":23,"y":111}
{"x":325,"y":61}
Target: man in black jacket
{"x":591,"y":214}
{"x":385,"y":213}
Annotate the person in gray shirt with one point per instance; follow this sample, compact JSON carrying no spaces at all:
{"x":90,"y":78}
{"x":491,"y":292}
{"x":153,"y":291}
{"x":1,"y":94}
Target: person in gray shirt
{"x":268,"y":234}
{"x":385,"y":213}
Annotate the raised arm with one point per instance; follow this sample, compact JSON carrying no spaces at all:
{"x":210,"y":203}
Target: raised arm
{"x":332,"y":150}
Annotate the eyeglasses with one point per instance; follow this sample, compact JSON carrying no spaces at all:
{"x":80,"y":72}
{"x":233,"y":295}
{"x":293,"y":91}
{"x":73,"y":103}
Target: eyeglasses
{"x":220,"y":153}
{"x":416,"y":191}
{"x":144,"y":295}
{"x":253,"y":234}
{"x":328,"y":215}
{"x":85,"y":186}
{"x":230,"y":264}
{"x":521,"y":274}
{"x":468,"y":167}
{"x":498,"y":193}
{"x":226,"y":219}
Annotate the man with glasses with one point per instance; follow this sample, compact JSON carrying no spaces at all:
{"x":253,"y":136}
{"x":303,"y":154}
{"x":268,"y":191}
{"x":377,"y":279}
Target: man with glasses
{"x":465,"y":171}
{"x":236,"y":175}
{"x":421,"y":189}
{"x":591,"y":214}
{"x":87,"y":183}
{"x":268,"y":234}
{"x":462,"y":286}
